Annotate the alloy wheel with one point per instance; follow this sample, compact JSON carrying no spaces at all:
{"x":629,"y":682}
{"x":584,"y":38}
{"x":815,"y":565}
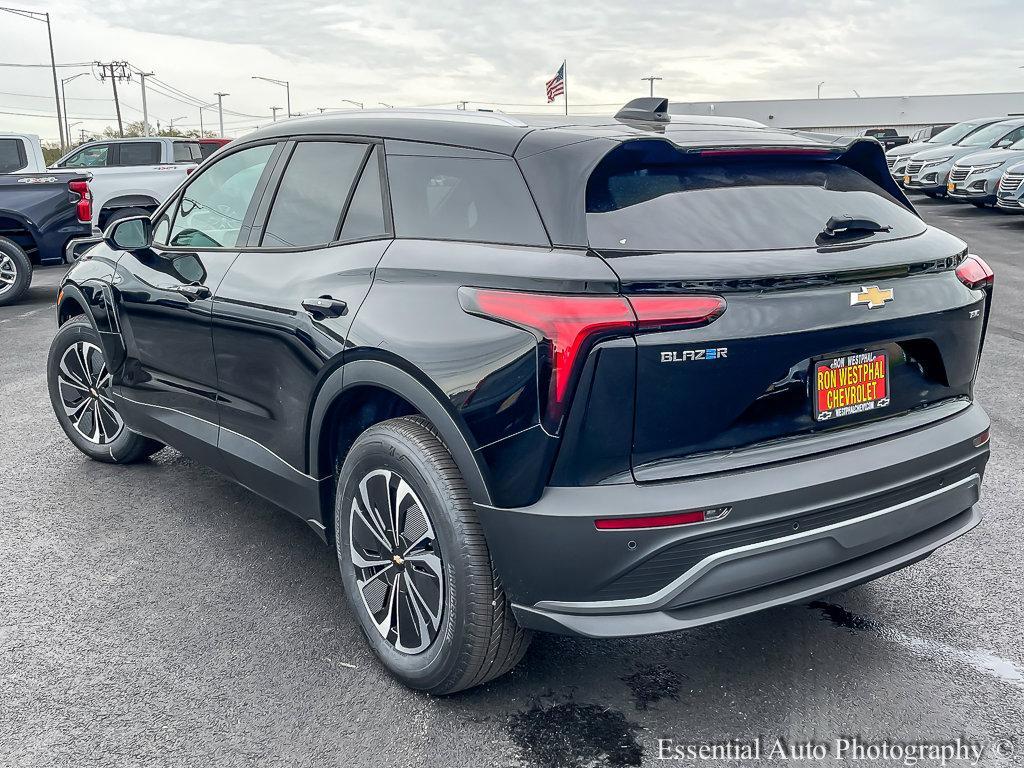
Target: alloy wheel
{"x":398,"y":564}
{"x":8,"y":273}
{"x":84,"y":385}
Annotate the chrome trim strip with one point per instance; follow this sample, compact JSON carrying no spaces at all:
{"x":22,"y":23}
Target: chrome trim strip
{"x":669,"y":592}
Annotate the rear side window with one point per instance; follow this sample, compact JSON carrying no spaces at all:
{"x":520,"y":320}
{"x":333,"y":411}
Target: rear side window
{"x":449,"y":198}
{"x":365,"y":215}
{"x":186,"y":151}
{"x":310,"y":200}
{"x":12,"y":155}
{"x":139,"y":153}
{"x":653,"y":198}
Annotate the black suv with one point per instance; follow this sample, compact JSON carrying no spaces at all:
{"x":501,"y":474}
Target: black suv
{"x":595,"y":376}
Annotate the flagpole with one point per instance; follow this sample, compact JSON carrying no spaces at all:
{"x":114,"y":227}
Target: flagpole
{"x":565,"y":85}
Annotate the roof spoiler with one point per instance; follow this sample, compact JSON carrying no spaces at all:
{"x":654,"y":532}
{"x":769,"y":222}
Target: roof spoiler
{"x":649,"y":109}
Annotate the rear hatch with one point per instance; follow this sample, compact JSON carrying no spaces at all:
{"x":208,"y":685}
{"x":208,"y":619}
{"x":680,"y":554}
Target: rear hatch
{"x":842,"y":307}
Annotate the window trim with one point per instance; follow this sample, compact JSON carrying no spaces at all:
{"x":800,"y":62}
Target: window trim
{"x":250,"y":214}
{"x":22,"y":153}
{"x":260,"y":223}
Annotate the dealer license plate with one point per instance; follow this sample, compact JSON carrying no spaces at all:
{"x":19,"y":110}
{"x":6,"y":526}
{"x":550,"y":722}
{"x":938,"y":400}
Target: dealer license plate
{"x":851,"y":384}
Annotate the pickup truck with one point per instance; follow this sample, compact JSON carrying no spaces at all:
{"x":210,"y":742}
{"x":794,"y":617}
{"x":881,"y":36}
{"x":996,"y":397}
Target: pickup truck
{"x":131,"y":177}
{"x":888,"y":137}
{"x":41,"y":213}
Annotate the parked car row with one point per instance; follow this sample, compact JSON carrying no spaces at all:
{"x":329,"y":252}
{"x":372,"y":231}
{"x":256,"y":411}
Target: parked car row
{"x":979,"y":161}
{"x":49,"y":215}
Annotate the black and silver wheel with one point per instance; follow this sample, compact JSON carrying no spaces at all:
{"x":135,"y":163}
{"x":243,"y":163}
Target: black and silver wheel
{"x":415,"y":564}
{"x":399,"y":570}
{"x":80,"y":392}
{"x":83,"y":383}
{"x":15,"y":271}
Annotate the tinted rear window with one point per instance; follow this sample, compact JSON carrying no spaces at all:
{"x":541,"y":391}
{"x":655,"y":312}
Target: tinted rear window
{"x":309,"y":203}
{"x":139,"y":153}
{"x":186,"y":151}
{"x":449,"y":198}
{"x":655,"y":199}
{"x":12,"y":155}
{"x":208,"y":149}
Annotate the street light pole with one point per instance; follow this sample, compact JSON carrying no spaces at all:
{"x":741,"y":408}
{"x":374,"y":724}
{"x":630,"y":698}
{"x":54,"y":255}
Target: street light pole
{"x":64,"y":102}
{"x":287,"y":90}
{"x":274,"y":111}
{"x":819,"y":88}
{"x":145,"y":110}
{"x":45,"y":17}
{"x":220,"y":109}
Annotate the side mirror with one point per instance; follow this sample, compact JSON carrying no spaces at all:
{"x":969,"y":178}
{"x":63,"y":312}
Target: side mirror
{"x":130,"y":234}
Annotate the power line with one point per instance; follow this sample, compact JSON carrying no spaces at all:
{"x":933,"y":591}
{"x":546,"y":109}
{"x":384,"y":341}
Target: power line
{"x":47,"y":66}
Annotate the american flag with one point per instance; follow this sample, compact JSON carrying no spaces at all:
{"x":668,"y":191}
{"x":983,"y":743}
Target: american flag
{"x":556,"y":85}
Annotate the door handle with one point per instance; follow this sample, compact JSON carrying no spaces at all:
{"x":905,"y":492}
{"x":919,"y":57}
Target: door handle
{"x":324,"y":306}
{"x":193,"y":292}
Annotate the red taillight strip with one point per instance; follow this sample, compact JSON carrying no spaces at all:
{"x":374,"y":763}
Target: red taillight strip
{"x":83,"y":209}
{"x":660,"y":521}
{"x":571,"y":324}
{"x":975,"y":273}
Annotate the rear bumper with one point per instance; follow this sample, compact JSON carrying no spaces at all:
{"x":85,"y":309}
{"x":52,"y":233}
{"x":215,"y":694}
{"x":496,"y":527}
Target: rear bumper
{"x":796,"y":529}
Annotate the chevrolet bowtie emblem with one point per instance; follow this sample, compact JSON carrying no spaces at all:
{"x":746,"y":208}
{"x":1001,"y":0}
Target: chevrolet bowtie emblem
{"x":871,"y":295}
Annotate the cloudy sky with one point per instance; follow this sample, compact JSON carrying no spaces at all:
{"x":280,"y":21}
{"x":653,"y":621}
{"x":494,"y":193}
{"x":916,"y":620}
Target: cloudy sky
{"x":497,"y":54}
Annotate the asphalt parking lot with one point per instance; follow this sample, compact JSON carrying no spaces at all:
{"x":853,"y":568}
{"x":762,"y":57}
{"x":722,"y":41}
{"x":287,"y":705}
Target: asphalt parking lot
{"x":161,"y":615}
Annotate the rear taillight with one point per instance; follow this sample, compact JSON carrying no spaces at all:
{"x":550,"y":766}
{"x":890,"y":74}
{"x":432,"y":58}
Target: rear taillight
{"x":975,"y":273}
{"x":83,"y":207}
{"x":569,"y":326}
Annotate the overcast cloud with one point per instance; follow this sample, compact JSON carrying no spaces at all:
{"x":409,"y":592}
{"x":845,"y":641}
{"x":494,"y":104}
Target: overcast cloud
{"x":500,"y":54}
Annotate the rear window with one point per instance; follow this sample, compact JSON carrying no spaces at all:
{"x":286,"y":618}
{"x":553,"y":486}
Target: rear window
{"x":186,"y":151}
{"x":476,"y":200}
{"x":12,"y":155}
{"x":207,"y":149}
{"x":658,"y":199}
{"x":139,"y":153}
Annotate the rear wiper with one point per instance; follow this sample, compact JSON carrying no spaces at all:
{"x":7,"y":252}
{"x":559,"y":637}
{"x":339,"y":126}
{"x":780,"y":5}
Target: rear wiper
{"x":847,"y":224}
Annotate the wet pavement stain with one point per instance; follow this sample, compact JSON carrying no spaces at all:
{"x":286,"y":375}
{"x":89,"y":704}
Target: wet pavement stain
{"x":651,"y":683}
{"x":572,"y":735}
{"x":843,"y":618}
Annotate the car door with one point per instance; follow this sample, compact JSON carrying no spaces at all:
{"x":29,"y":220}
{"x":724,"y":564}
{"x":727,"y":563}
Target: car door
{"x":163,"y":298}
{"x":282,"y":311}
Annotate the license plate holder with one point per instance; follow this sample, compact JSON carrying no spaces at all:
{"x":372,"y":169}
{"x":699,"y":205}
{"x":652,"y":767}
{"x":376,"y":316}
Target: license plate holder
{"x":847,"y":385}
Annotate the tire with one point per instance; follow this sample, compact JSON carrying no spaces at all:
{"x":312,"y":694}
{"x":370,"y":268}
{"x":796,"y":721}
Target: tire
{"x":932,"y":195}
{"x":123,"y":213}
{"x":15,"y":272}
{"x":78,"y":382}
{"x":475,"y":637}
{"x":978,"y":204}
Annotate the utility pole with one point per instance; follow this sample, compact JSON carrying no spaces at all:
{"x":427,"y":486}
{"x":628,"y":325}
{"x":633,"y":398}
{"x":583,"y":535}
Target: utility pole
{"x":145,"y":111}
{"x":275,"y":110}
{"x":651,"y":79}
{"x":220,"y":109}
{"x":81,"y":132}
{"x":45,"y":18}
{"x":462,"y":105}
{"x":116,"y":70}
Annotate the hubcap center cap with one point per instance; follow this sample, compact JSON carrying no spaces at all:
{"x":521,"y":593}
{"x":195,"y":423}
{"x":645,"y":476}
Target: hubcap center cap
{"x":398,"y":560}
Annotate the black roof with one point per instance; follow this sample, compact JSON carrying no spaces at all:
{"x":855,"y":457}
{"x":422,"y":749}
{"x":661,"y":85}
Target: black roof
{"x":507,"y":134}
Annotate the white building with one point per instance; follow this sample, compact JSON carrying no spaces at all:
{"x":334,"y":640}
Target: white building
{"x":849,"y":117}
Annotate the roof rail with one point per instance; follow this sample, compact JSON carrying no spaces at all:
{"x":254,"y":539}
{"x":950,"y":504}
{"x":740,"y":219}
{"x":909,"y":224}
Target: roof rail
{"x":650,"y":109}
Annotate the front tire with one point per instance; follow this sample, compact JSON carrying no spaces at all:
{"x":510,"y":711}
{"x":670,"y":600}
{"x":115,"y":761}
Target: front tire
{"x":415,"y":563}
{"x":79,"y":384}
{"x":15,"y":272}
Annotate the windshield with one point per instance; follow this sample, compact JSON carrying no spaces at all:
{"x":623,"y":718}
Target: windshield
{"x":986,"y":137}
{"x":648,"y":199}
{"x":954,"y":133}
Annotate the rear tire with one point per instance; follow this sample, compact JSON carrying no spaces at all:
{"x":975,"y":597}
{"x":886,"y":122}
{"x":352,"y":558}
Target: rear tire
{"x":15,"y":272}
{"x":459,"y":631}
{"x":79,"y":385}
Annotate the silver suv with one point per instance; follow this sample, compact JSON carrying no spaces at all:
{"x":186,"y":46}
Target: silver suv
{"x":928,"y":171}
{"x":1010,"y":192}
{"x":897,"y":157}
{"x":974,"y":178}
